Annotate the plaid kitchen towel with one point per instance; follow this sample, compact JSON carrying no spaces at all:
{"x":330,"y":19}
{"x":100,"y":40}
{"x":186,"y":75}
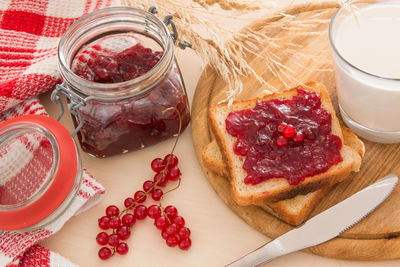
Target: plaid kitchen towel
{"x":29,"y":35}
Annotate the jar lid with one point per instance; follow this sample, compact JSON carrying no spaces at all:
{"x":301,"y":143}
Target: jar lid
{"x":38,"y":167}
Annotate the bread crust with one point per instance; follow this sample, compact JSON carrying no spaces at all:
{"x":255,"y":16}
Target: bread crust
{"x":214,"y":161}
{"x":281,"y":189}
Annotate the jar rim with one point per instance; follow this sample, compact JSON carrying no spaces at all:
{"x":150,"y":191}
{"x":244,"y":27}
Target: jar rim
{"x":119,"y":89}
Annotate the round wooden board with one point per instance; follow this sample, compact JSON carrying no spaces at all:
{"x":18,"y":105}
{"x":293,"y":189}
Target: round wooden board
{"x":377,"y":236}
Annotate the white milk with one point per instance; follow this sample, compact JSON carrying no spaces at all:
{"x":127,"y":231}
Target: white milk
{"x":371,"y":43}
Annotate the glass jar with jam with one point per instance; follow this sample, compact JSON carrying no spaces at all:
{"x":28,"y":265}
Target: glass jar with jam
{"x":40,"y":172}
{"x":123,"y":84}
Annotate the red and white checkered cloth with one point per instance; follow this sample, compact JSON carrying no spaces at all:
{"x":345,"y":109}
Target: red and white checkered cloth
{"x":29,"y":35}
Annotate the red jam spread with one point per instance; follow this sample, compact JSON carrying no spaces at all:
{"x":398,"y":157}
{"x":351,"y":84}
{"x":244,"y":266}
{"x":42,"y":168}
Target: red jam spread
{"x":115,"y":127}
{"x":129,"y":64}
{"x":272,"y":151}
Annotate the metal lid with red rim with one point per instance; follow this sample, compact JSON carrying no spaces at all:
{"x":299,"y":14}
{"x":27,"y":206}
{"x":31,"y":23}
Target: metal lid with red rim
{"x":38,"y":168}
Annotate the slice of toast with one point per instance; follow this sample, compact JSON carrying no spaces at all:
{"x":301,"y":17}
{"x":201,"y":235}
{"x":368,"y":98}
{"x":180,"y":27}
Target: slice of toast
{"x":294,"y":210}
{"x":278,"y":188}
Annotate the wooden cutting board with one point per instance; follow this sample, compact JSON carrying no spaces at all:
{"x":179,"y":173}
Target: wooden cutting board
{"x":304,"y":47}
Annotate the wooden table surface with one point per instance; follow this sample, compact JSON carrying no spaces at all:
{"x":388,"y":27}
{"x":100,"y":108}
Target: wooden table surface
{"x":218,"y":235}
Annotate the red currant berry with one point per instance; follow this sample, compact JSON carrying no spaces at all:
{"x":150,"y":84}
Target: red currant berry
{"x":105,"y":253}
{"x":161,"y":222}
{"x":104,"y":223}
{"x":112,"y":211}
{"x":171,"y":212}
{"x":128,"y":219}
{"x":185,"y":244}
{"x":102,"y":238}
{"x":157,"y":194}
{"x":140,"y":196}
{"x":129,"y":203}
{"x":115,"y":222}
{"x":172,"y":229}
{"x":161,"y":179}
{"x":164,"y":234}
{"x":173,"y":160}
{"x":113,"y":240}
{"x":289,"y":131}
{"x":154,"y":211}
{"x":281,"y":127}
{"x":140,"y":212}
{"x":179,"y":221}
{"x":157,"y":165}
{"x":281,"y":141}
{"x":298,"y":138}
{"x":174,"y":173}
{"x":123,"y":232}
{"x":122,"y":248}
{"x":172,"y":241}
{"x":184,"y":232}
{"x":148,"y":186}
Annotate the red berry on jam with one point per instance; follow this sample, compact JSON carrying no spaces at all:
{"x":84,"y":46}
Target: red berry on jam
{"x":148,"y":186}
{"x":105,"y":253}
{"x":128,"y":220}
{"x":154,"y":211}
{"x":123,"y":232}
{"x":183,"y":233}
{"x":172,"y":241}
{"x":281,"y":141}
{"x":122,"y":248}
{"x":161,"y":222}
{"x":104,"y":223}
{"x":113,"y":240}
{"x":140,"y":212}
{"x":281,"y":127}
{"x":289,"y":131}
{"x":298,"y":138}
{"x":129,"y":203}
{"x":173,"y":160}
{"x":185,"y":244}
{"x":140,"y":196}
{"x":112,"y":211}
{"x":157,"y":194}
{"x":157,"y":165}
{"x":102,"y":238}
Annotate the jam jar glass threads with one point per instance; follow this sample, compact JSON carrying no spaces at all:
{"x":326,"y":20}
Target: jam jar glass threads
{"x":123,"y":84}
{"x":40,"y":172}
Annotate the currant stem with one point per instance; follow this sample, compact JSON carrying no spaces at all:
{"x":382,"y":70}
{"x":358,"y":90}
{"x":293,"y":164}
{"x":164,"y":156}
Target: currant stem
{"x":161,"y":206}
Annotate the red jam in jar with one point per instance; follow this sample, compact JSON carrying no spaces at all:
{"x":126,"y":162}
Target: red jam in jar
{"x":272,"y":152}
{"x":125,"y":69}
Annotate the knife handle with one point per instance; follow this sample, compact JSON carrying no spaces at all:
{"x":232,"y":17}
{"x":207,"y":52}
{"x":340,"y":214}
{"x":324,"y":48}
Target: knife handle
{"x":263,"y":254}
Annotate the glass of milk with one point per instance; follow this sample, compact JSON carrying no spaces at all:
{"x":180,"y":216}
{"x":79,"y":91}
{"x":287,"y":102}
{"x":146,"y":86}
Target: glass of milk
{"x":365,"y":42}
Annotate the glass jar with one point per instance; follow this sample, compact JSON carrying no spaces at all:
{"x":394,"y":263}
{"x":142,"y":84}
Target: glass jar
{"x":123,"y":83}
{"x":40,"y":172}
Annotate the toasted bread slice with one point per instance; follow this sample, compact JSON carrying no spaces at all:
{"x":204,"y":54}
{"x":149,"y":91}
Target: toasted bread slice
{"x":278,"y":188}
{"x":294,"y":210}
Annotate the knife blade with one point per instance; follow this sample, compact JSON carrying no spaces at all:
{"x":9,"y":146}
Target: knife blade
{"x":324,"y":226}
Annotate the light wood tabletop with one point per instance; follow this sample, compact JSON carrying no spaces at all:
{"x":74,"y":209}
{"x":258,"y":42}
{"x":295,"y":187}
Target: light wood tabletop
{"x":218,"y":235}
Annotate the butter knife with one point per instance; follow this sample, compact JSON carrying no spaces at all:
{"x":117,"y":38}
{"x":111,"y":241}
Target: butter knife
{"x":325,"y":225}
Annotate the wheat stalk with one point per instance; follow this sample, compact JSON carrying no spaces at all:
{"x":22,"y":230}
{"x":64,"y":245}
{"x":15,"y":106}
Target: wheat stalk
{"x":225,"y":49}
